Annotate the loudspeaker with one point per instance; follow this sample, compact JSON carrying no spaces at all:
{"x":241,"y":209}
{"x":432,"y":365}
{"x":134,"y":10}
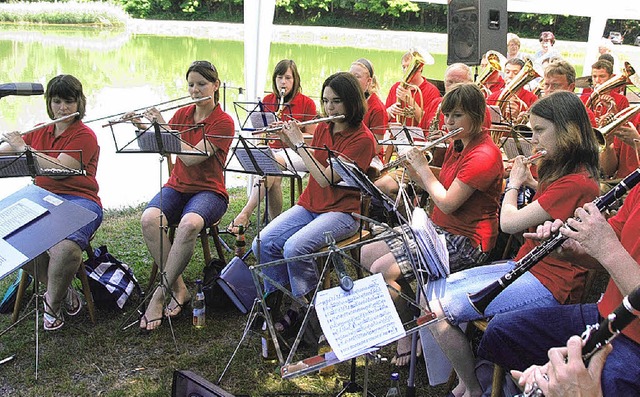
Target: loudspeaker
{"x":475,"y":27}
{"x":188,"y":384}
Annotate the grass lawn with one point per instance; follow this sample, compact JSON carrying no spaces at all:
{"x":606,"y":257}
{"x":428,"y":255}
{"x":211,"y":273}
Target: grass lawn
{"x":107,"y":360}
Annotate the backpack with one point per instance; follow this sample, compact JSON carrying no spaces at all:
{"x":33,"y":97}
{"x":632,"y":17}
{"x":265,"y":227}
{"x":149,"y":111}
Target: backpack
{"x":111,"y":281}
{"x":214,"y":297}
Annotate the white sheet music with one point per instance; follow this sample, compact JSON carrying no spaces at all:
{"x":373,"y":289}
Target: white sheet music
{"x":511,"y":149}
{"x":432,"y":245}
{"x":265,"y":159}
{"x":18,"y":214}
{"x":10,"y":258}
{"x":11,"y":166}
{"x":355,"y":321}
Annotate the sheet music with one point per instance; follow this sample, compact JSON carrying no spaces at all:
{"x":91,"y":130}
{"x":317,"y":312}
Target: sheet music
{"x":265,"y":160}
{"x":10,"y":258}
{"x":13,"y":166}
{"x":355,"y":321}
{"x":261,"y":119}
{"x":170,"y":141}
{"x":19,"y":214}
{"x":511,"y":150}
{"x":432,"y":245}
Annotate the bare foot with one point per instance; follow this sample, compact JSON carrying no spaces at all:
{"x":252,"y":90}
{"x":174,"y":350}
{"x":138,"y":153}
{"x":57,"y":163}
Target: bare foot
{"x":178,"y":302}
{"x":152,"y":317}
{"x":403,"y":351}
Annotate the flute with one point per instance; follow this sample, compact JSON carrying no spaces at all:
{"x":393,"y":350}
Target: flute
{"x":136,"y":115}
{"x":481,"y":299}
{"x":403,"y":158}
{"x":48,"y":123}
{"x":314,"y":121}
{"x":534,"y":157}
{"x":598,"y":335}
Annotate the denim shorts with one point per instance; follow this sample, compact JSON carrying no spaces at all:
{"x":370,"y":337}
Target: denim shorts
{"x":83,"y":235}
{"x":452,"y":293}
{"x":209,"y":205}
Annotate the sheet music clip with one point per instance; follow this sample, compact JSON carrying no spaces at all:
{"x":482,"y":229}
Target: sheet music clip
{"x":19,"y":164}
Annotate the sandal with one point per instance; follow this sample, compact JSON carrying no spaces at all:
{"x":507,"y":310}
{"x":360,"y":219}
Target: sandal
{"x":403,"y":359}
{"x":286,"y":325}
{"x":176,"y":310}
{"x":144,"y":328}
{"x":72,"y":302}
{"x":51,"y":322}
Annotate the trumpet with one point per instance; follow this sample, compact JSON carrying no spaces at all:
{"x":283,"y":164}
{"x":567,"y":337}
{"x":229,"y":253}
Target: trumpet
{"x":48,"y":123}
{"x":314,"y":121}
{"x":481,"y":299}
{"x":401,"y":159}
{"x":620,"y":118}
{"x":139,"y":113}
{"x":534,"y":157}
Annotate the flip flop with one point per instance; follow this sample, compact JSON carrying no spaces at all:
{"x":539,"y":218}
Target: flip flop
{"x":51,"y":322}
{"x":146,"y":323}
{"x":72,"y":302}
{"x":175,"y":311}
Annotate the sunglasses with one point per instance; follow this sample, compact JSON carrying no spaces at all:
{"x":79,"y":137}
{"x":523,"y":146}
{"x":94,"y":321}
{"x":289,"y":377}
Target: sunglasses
{"x":205,"y":64}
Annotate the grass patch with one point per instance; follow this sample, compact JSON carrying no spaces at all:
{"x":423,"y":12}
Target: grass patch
{"x":88,"y":14}
{"x":105,"y":360}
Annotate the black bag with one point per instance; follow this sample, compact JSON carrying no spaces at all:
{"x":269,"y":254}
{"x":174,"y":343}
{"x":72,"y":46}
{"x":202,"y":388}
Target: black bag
{"x":112,"y":282}
{"x":214,"y":297}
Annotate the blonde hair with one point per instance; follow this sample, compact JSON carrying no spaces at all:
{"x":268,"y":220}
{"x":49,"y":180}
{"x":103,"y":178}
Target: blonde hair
{"x":366,"y":64}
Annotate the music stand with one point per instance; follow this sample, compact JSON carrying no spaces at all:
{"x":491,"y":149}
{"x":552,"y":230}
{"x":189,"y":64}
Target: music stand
{"x":258,"y":114}
{"x":165,"y":140}
{"x":25,"y":243}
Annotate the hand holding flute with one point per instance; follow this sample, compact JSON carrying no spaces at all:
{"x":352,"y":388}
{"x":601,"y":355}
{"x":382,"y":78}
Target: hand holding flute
{"x":14,"y":138}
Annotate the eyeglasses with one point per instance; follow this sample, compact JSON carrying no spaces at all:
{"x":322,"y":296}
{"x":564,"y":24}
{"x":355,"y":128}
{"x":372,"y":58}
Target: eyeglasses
{"x":545,"y":40}
{"x":205,"y":64}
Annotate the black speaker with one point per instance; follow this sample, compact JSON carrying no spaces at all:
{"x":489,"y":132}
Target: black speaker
{"x":188,"y":384}
{"x":475,"y":27}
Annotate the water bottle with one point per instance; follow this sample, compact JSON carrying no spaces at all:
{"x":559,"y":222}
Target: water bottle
{"x":268,"y":347}
{"x":240,"y":242}
{"x":198,"y":306}
{"x":394,"y":389}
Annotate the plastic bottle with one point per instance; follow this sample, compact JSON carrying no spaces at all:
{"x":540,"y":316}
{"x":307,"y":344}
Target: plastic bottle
{"x":240,"y":241}
{"x":199,"y":306}
{"x":268,"y":347}
{"x":394,"y":389}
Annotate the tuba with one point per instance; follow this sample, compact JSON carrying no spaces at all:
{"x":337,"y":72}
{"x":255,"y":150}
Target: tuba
{"x":491,"y":70}
{"x":601,"y":103}
{"x":417,"y":62}
{"x":526,"y":74}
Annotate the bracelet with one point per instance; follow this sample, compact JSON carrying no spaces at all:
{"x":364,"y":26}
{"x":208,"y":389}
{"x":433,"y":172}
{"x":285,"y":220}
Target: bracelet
{"x":510,"y":188}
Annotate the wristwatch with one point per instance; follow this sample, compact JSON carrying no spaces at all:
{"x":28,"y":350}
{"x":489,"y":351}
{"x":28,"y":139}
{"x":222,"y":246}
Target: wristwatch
{"x":298,"y":146}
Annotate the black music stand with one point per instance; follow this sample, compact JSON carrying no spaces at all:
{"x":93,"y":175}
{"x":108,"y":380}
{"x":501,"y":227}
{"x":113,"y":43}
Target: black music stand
{"x":258,"y":115}
{"x":165,"y":140}
{"x":62,"y":217}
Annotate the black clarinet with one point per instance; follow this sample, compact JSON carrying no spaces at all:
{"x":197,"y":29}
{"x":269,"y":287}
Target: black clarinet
{"x":599,"y":335}
{"x":481,"y":299}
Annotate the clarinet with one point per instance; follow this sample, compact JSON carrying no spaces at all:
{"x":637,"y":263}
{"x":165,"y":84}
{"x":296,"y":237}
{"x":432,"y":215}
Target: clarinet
{"x":599,"y":335}
{"x":481,"y":299}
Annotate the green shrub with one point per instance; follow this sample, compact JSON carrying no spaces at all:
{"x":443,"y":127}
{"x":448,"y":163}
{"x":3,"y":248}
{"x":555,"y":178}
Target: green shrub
{"x":104,"y":14}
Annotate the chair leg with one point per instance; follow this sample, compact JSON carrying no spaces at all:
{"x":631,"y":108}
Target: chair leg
{"x":215,"y":234}
{"x":86,"y":290}
{"x":17,"y":305}
{"x":498,"y":381}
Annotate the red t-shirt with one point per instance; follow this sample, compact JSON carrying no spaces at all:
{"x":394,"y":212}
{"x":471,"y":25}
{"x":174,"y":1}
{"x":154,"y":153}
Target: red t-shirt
{"x":627,"y":158}
{"x":478,"y":165}
{"x":626,"y":224}
{"x":300,"y":108}
{"x":621,"y":102}
{"x":428,"y":90}
{"x":357,"y":144}
{"x":560,"y":199}
{"x":376,"y":118}
{"x":76,"y":137}
{"x":207,"y":175}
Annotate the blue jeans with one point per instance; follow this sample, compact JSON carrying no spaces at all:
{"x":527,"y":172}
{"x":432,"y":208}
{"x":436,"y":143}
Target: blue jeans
{"x":299,"y":232}
{"x":83,"y":235}
{"x":522,"y":338}
{"x":526,"y":291}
